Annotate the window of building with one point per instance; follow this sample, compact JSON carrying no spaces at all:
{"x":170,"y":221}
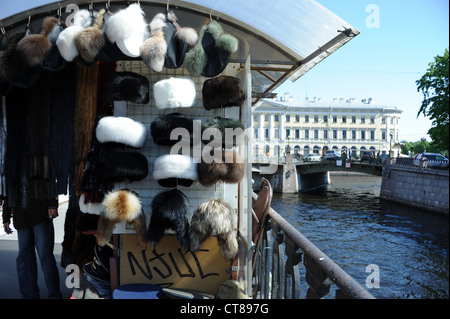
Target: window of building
{"x":297,"y":133}
{"x":344,"y":134}
{"x":363,"y":119}
{"x":383,"y":135}
{"x":297,"y":118}
{"x":325,"y":118}
{"x":276,"y":132}
{"x":383,"y":120}
{"x":266,"y":133}
{"x":353,"y":134}
{"x":255,"y":118}
{"x":363,"y":135}
{"x":344,"y":119}
{"x":335,"y":134}
{"x":372,"y":120}
{"x":255,"y":131}
{"x":266,"y":117}
{"x":316,"y":118}
{"x":392,"y":120}
{"x":334,"y":119}
{"x":372,"y":134}
{"x":325,"y":134}
{"x":277,"y":118}
{"x":306,"y":133}
{"x":316,"y":134}
{"x":353,"y":119}
{"x":288,"y":132}
{"x":288,"y":118}
{"x":306,"y":118}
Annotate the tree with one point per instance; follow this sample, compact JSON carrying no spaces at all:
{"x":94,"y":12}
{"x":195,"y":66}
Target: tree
{"x":434,"y":86}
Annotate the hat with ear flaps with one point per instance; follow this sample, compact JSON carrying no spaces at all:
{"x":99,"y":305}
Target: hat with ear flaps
{"x":214,"y":217}
{"x":231,"y":131}
{"x":169,"y":211}
{"x":211,"y":54}
{"x":174,"y":93}
{"x":123,"y":130}
{"x":90,"y":40}
{"x":228,"y":167}
{"x":122,"y":205}
{"x":222,"y":91}
{"x":34,"y":48}
{"x":128,"y":86}
{"x":171,"y":170}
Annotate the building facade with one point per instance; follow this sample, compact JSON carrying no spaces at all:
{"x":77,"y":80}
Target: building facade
{"x":314,"y":126}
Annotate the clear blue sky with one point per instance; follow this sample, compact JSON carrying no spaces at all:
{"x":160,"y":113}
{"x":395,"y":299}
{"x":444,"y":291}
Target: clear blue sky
{"x":382,"y":62}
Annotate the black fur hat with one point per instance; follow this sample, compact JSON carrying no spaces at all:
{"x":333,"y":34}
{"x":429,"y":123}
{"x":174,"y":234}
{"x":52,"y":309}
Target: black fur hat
{"x":169,"y":210}
{"x":222,"y":91}
{"x":162,"y":126}
{"x":128,"y":86}
{"x":99,"y":268}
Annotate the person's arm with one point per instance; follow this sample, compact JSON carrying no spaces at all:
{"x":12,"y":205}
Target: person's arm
{"x":53,"y":207}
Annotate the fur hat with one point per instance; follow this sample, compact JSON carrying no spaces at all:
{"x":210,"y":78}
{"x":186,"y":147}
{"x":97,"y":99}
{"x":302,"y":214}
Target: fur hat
{"x":66,"y":40}
{"x":226,"y":127}
{"x":161,"y":128}
{"x":121,"y":130}
{"x":88,"y":207}
{"x":35,"y":47}
{"x":214,"y":217}
{"x":122,"y":205}
{"x":168,"y":43}
{"x":229,"y":168}
{"x":53,"y":60}
{"x":109,"y":52}
{"x":128,"y":29}
{"x":171,"y":170}
{"x":128,"y":86}
{"x":169,"y":210}
{"x":99,"y":268}
{"x":174,"y":92}
{"x":212,"y":52}
{"x":90,"y":40}
{"x":222,"y":91}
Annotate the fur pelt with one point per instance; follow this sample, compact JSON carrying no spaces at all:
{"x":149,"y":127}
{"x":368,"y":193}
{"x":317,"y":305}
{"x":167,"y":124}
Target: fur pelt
{"x":214,"y":217}
{"x":35,"y":47}
{"x":212,"y":127}
{"x":66,"y":40}
{"x":185,"y":34}
{"x":222,"y":91}
{"x":174,"y":92}
{"x":128,"y":29}
{"x":128,"y":86}
{"x":162,"y":127}
{"x":169,"y":211}
{"x":122,"y":130}
{"x":90,"y":40}
{"x":229,"y":168}
{"x":171,"y":170}
{"x":88,"y":207}
{"x":122,"y":205}
{"x":212,"y":52}
{"x":154,"y":49}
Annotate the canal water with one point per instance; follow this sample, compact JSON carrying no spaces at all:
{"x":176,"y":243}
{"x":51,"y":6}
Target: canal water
{"x":407,"y":248}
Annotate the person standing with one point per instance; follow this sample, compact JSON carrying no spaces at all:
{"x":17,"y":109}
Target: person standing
{"x":35,"y":232}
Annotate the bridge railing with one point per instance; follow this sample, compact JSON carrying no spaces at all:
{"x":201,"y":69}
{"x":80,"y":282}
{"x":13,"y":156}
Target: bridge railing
{"x":284,"y":256}
{"x":419,"y":164}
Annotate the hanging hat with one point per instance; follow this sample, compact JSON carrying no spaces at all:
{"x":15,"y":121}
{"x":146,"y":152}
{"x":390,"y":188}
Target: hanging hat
{"x":54,"y":61}
{"x":128,"y":86}
{"x":214,"y":217}
{"x":88,"y":207}
{"x":128,"y":29}
{"x":66,"y":40}
{"x":227,"y":167}
{"x":121,"y":130}
{"x":169,"y":211}
{"x":99,"y":268}
{"x":174,"y":92}
{"x":90,"y":40}
{"x":34,"y":48}
{"x":224,"y":128}
{"x":162,"y":127}
{"x":171,"y":170}
{"x":211,"y":54}
{"x":15,"y":70}
{"x":122,"y":205}
{"x":222,"y":91}
{"x":109,"y":52}
{"x":154,"y":49}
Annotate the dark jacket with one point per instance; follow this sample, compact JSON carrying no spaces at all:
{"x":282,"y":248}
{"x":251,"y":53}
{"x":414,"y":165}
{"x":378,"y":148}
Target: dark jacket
{"x":35,"y":213}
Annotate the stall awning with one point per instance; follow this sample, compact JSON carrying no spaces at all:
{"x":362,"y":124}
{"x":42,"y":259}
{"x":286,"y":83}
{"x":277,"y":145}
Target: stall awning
{"x":284,"y":38}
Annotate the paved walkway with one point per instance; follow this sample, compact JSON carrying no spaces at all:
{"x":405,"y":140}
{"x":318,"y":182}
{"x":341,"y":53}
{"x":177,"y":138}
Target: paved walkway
{"x":9,"y":286}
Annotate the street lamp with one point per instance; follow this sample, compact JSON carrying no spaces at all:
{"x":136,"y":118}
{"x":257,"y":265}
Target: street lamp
{"x":391,"y":134}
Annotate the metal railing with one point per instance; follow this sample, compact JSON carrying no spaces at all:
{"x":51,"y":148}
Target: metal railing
{"x":282,"y":252}
{"x":420,"y":164}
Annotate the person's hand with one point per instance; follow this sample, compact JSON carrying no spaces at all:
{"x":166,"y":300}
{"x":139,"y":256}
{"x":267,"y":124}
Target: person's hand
{"x":7,"y":229}
{"x":52,"y":213}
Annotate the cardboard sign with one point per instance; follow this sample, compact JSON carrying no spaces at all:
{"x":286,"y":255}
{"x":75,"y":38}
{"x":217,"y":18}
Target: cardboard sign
{"x":169,"y":265}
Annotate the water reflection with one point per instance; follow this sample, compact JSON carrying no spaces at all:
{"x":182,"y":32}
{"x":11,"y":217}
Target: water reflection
{"x":354,"y":227}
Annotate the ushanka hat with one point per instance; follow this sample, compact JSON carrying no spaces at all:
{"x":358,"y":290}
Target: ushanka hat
{"x":122,"y":205}
{"x":128,"y":86}
{"x":128,"y":29}
{"x":111,"y":129}
{"x":222,"y":91}
{"x":171,"y":170}
{"x":169,"y":211}
{"x":229,"y":131}
{"x":211,"y":54}
{"x":228,"y":167}
{"x":89,"y":41}
{"x":166,"y":125}
{"x":99,"y":268}
{"x":174,"y":93}
{"x":214,"y":217}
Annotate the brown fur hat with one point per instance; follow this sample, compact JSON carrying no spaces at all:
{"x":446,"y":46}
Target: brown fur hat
{"x":222,"y":91}
{"x":35,"y":47}
{"x":214,"y":217}
{"x":89,"y":41}
{"x":229,"y":168}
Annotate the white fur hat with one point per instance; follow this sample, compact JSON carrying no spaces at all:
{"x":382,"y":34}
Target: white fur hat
{"x":171,"y":170}
{"x":121,"y":130}
{"x":89,"y":207}
{"x":66,"y":39}
{"x":128,"y":29}
{"x":174,"y":92}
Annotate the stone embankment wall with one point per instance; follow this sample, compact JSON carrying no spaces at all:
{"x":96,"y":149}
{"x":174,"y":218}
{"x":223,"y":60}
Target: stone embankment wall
{"x":427,"y":189}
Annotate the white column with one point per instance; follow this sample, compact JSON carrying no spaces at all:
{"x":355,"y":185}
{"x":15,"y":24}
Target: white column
{"x":282,"y":133}
{"x":271,"y":130}
{"x":261,"y":127}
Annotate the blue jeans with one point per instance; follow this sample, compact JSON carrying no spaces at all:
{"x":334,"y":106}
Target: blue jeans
{"x":41,"y":238}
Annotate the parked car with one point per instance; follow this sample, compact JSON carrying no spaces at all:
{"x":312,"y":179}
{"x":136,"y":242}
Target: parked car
{"x":367,"y":156}
{"x":331,"y":155}
{"x":433,"y":159}
{"x":312,"y":157}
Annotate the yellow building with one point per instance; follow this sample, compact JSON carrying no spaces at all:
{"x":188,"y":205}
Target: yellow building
{"x":314,"y":126}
